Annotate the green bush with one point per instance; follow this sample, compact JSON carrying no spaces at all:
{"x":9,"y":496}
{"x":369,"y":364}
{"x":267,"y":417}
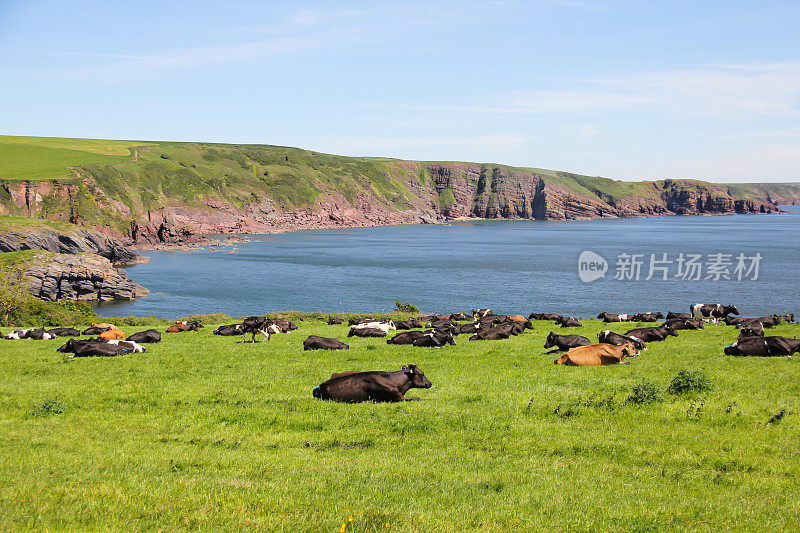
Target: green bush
{"x":689,"y":381}
{"x":644,"y":392}
{"x":406,"y":307}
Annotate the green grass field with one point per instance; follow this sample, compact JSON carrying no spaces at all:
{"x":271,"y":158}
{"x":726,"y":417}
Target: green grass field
{"x":202,"y":432}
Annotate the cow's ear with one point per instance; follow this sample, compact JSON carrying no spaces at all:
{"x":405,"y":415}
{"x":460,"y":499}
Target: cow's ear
{"x":405,"y":368}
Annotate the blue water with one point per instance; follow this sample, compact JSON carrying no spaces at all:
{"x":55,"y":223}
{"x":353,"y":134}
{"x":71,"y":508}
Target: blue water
{"x":511,"y":267}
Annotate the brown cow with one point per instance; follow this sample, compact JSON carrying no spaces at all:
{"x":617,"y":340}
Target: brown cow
{"x":598,"y":354}
{"x":179,"y":327}
{"x":112,"y":334}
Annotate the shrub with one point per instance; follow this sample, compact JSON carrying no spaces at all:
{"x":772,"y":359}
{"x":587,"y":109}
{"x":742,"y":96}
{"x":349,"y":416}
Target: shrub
{"x":644,"y":392}
{"x":689,"y":381}
{"x":48,"y":407}
{"x":406,"y":307}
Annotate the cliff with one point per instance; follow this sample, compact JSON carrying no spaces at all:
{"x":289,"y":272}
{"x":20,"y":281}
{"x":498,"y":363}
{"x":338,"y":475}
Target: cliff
{"x":174,"y":192}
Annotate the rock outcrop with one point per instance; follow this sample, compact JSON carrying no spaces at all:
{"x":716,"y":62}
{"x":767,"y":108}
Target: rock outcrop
{"x":81,"y":277}
{"x":76,"y":240}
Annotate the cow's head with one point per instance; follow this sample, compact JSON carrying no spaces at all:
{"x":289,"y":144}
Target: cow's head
{"x":417,"y":377}
{"x":629,"y":350}
{"x":602,"y":316}
{"x":551,"y":340}
{"x":731,"y":309}
{"x":670,"y":331}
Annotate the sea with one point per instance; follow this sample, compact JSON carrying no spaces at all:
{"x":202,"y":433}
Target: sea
{"x":576,"y":268}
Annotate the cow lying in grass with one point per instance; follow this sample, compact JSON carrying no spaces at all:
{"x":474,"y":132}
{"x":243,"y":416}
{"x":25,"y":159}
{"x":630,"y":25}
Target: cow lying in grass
{"x":434,"y":339}
{"x":113,"y":334}
{"x":228,"y":330}
{"x":315,"y":342}
{"x":98,"y":348}
{"x":763,"y":346}
{"x":64,"y":332}
{"x":148,"y":336}
{"x":569,"y":322}
{"x":354,"y":387}
{"x":565,"y":342}
{"x":179,"y":327}
{"x":651,"y":334}
{"x":609,"y":337}
{"x":34,"y":334}
{"x":597,"y":355}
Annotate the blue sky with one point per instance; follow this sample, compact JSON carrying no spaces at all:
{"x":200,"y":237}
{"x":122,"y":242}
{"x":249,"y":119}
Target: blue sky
{"x":623,"y":89}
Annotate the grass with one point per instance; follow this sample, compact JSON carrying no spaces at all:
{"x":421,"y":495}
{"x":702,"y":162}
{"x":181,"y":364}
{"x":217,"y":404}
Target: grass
{"x":203,"y":432}
{"x":23,"y":224}
{"x":51,"y":157}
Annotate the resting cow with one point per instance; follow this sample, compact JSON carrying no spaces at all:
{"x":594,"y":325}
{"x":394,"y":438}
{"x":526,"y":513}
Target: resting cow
{"x":180,"y":327}
{"x":407,"y":324}
{"x":228,"y":330}
{"x":608,"y":317}
{"x":481,"y":313}
{"x":647,"y":317}
{"x":332,"y":320}
{"x":764,"y":346}
{"x":64,"y":332}
{"x":712,"y":312}
{"x":565,"y":342}
{"x":315,"y":342}
{"x":457,"y":317}
{"x":597,"y":355}
{"x":93,"y":348}
{"x":367,"y":332}
{"x":353,"y":387}
{"x":491,"y":334}
{"x":544,"y":316}
{"x":609,"y":337}
{"x":672,"y":315}
{"x":681,"y":323}
{"x":434,"y":339}
{"x":406,"y":337}
{"x":39,"y":335}
{"x":569,"y":322}
{"x":651,"y":334}
{"x":94,"y":330}
{"x":113,"y":334}
{"x":148,"y":336}
{"x":752,"y":330}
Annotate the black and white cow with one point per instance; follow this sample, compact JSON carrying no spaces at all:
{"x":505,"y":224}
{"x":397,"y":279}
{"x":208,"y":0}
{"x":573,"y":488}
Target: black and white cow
{"x":315,"y":342}
{"x":565,"y":342}
{"x":148,"y":336}
{"x":229,"y":330}
{"x":763,"y":346}
{"x":617,"y":339}
{"x":651,"y":334}
{"x":712,"y":312}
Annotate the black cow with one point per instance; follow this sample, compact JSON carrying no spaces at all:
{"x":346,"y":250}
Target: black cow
{"x":366,"y":332}
{"x":651,"y":334}
{"x":491,"y":334}
{"x":93,"y":330}
{"x":39,"y":334}
{"x":93,"y":348}
{"x":491,"y":320}
{"x":145,"y":337}
{"x":407,"y":324}
{"x":406,"y":337}
{"x":361,"y":320}
{"x":456,"y":317}
{"x":229,"y":330}
{"x":683,"y":323}
{"x":569,"y":322}
{"x":712,"y":311}
{"x":647,"y":317}
{"x":544,"y":316}
{"x":434,"y":339}
{"x":468,"y":328}
{"x":672,"y":315}
{"x":565,"y":342}
{"x":441,"y":324}
{"x":764,"y":346}
{"x":752,"y":330}
{"x":609,"y":337}
{"x":332,"y":320}
{"x":608,"y":317}
{"x":315,"y":342}
{"x":258,"y":325}
{"x":353,"y":387}
{"x":64,"y":332}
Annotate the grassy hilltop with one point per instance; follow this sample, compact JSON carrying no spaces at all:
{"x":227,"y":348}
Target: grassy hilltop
{"x":114,"y":183}
{"x":202,"y":432}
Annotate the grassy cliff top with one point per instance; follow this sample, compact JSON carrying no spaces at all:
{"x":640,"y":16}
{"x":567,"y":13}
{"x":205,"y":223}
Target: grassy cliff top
{"x":22,"y":224}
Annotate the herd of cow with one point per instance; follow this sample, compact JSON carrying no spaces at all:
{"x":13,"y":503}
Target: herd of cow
{"x":440,"y":330}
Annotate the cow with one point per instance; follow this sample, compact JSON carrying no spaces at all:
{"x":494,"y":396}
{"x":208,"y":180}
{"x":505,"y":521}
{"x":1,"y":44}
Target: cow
{"x":597,"y":355}
{"x":460,"y":317}
{"x":651,"y":334}
{"x":569,"y":322}
{"x":683,"y":323}
{"x":284,"y":324}
{"x":763,"y":346}
{"x":180,"y":327}
{"x":93,"y":348}
{"x":441,"y":324}
{"x":94,"y":330}
{"x":111,"y":334}
{"x":367,"y":332}
{"x":103,"y":325}
{"x":712,"y":312}
{"x":608,"y":317}
{"x":385,"y":326}
{"x":332,"y":320}
{"x":752,"y":330}
{"x":354,"y":387}
{"x":64,"y":332}
{"x":565,"y":342}
{"x":258,"y":325}
{"x":148,"y":336}
{"x":40,"y":335}
{"x":407,"y":324}
{"x":481,"y":313}
{"x":17,"y":335}
{"x":647,"y":317}
{"x":406,"y":337}
{"x":468,"y":328}
{"x":617,"y":339}
{"x":435,"y":339}
{"x":544,"y":316}
{"x":518,"y":318}
{"x":672,"y":315}
{"x":359,"y":320}
{"x":789,"y":318}
{"x":492,"y":319}
{"x":228,"y":330}
{"x":491,"y":334}
{"x":514,"y":328}
{"x":431,"y":318}
{"x":315,"y":342}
